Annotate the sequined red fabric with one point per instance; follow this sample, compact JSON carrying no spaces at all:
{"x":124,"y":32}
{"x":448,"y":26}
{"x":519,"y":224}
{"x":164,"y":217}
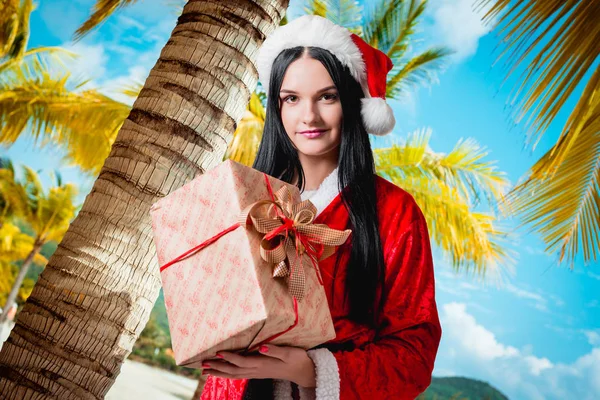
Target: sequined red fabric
{"x":395,"y":360}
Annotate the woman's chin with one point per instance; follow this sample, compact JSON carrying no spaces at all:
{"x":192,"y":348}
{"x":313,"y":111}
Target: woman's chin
{"x":315,"y":151}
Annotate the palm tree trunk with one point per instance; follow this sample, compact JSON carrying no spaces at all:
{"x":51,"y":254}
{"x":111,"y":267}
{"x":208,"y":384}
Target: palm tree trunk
{"x":95,"y":295}
{"x":19,"y":281}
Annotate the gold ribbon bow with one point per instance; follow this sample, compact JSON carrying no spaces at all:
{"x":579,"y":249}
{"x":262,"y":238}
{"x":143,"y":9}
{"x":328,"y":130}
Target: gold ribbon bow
{"x":290,"y":237}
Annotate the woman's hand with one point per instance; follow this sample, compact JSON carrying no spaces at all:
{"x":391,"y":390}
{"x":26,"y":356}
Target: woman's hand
{"x":274,"y":362}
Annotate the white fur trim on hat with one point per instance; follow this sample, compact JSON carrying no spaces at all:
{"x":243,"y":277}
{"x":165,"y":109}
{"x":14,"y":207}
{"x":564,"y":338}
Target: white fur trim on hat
{"x":311,"y":30}
{"x":377,"y":116}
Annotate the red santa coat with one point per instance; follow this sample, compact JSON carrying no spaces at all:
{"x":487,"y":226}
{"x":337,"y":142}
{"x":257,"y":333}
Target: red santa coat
{"x":395,"y":359}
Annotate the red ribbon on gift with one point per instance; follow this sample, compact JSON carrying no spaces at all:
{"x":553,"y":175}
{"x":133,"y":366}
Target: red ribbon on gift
{"x":288,"y":231}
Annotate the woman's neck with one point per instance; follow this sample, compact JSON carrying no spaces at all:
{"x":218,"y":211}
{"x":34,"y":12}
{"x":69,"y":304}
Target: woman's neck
{"x":316,"y":169}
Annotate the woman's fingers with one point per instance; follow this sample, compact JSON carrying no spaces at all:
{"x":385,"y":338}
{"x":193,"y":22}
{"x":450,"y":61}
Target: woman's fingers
{"x":236,"y":359}
{"x":227,"y":368}
{"x":281,"y":353}
{"x":219,"y":374}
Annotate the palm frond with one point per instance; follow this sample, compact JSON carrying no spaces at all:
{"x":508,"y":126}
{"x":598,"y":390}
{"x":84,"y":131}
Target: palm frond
{"x":463,"y":169}
{"x":19,"y":44}
{"x":9,"y":24}
{"x":316,"y":7}
{"x":102,"y":10}
{"x":375,"y":18}
{"x":38,"y":103}
{"x":559,"y":42}
{"x":176,"y":6}
{"x":6,"y":163}
{"x":390,"y":26}
{"x":32,"y":182}
{"x":564,"y":207}
{"x":393,"y":24}
{"x":447,"y":187}
{"x":13,"y":196}
{"x":246,"y":138}
{"x":48,"y":56}
{"x":417,"y":71}
{"x":16,"y":245}
{"x":471,"y":240}
{"x":346,"y":13}
{"x":133,"y":89}
{"x":55,"y":212}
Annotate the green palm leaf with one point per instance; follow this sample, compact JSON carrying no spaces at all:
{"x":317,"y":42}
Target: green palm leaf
{"x":472,"y":240}
{"x":416,"y":71}
{"x":50,"y":108}
{"x":9,"y":25}
{"x":565,"y":207}
{"x":102,"y":10}
{"x":346,"y":13}
{"x":447,"y":187}
{"x":246,"y":138}
{"x":390,"y":26}
{"x":16,"y":245}
{"x":14,"y":28}
{"x":558,"y":42}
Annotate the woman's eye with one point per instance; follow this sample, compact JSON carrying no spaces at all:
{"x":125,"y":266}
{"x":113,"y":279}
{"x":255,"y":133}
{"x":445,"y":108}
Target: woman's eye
{"x":288,"y":98}
{"x":330,"y":96}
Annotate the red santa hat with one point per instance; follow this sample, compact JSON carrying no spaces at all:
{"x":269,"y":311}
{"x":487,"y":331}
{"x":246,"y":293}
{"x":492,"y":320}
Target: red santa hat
{"x":368,"y":65}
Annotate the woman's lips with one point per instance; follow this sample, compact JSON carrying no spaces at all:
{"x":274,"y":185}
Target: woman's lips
{"x":313,"y":134}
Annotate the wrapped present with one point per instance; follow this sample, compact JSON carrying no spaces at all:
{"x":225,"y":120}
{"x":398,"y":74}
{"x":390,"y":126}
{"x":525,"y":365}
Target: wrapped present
{"x":238,"y":253}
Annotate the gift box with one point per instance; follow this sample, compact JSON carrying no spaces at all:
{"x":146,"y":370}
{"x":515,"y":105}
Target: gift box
{"x":238,"y":254}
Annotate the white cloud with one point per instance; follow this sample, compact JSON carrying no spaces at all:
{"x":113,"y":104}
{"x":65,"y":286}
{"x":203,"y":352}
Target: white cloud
{"x":126,"y":22}
{"x":451,"y":289}
{"x":479,"y":340}
{"x":593,"y":336}
{"x":114,"y":87}
{"x":458,"y":25}
{"x":470,"y":349}
{"x":539,"y":301}
{"x":594,"y":276}
{"x":90,"y":62}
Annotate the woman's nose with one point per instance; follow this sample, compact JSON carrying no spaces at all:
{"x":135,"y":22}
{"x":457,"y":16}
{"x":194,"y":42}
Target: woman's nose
{"x":311,"y":113}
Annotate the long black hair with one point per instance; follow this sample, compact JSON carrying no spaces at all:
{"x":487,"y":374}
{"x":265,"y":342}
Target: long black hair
{"x":356,"y":175}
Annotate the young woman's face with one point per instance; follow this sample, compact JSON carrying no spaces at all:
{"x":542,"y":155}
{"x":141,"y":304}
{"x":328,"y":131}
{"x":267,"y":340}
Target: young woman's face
{"x":311,"y":110}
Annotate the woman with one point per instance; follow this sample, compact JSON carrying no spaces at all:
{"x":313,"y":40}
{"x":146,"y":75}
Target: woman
{"x":326,"y":90}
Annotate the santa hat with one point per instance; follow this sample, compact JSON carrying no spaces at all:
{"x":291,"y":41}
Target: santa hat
{"x":368,"y":65}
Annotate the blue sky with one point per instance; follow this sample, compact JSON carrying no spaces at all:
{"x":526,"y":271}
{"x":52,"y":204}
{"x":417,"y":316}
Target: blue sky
{"x":536,"y":336}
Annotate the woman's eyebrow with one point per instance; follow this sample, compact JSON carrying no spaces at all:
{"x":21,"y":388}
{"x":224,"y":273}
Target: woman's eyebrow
{"x":318,"y":91}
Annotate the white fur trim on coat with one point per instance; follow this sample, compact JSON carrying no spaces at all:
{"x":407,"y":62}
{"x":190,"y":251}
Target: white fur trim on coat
{"x":327,"y":191}
{"x":282,"y":390}
{"x":328,"y":375}
{"x":314,"y":31}
{"x":377,"y":115}
{"x":328,"y":380}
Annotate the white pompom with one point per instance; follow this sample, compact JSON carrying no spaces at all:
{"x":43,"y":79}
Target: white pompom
{"x":377,"y":115}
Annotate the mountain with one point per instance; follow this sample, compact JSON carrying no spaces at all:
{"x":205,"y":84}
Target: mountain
{"x":160,"y":313}
{"x":458,"y":388}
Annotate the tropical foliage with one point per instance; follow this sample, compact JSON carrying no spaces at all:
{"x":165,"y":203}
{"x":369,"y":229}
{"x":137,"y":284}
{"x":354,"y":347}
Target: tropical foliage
{"x":15,"y":246}
{"x":39,"y":98}
{"x":46,"y":213}
{"x":557,"y":43}
{"x":449,"y":187}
